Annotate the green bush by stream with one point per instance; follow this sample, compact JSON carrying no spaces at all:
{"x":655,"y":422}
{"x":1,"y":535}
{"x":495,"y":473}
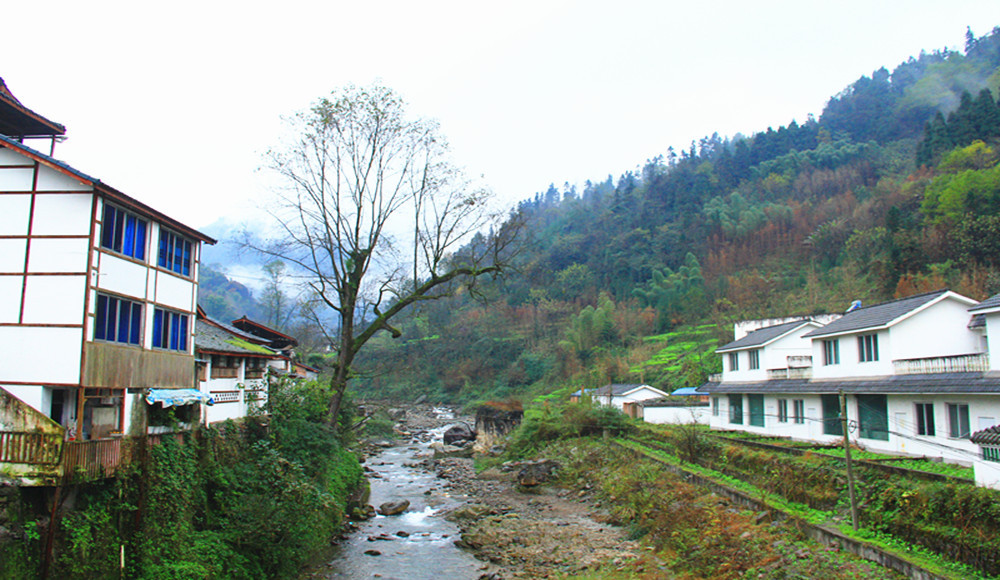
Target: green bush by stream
{"x":250,"y":500}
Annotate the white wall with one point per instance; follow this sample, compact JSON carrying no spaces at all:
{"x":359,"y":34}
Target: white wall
{"x":987,"y":473}
{"x":993,"y":339}
{"x":676,"y":415}
{"x":850,"y":364}
{"x":940,"y":330}
{"x":42,"y":354}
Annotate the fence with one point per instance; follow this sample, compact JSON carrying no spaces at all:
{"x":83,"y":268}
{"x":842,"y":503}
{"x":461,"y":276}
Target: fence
{"x":30,"y":448}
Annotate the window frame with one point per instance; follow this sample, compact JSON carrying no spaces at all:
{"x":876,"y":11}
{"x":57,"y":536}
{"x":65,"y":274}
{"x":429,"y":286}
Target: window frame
{"x":167,"y":257}
{"x":135,"y":328}
{"x":176,"y":333}
{"x":799,"y":411}
{"x":734,"y":361}
{"x":782,"y":410}
{"x":924,"y":424}
{"x":955,"y":412}
{"x":715,"y":406}
{"x":831,"y":352}
{"x":754,"y":359}
{"x":115,"y":235}
{"x":868,"y":348}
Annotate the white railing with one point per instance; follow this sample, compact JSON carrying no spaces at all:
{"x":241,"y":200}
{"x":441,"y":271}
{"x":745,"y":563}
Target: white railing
{"x":715,"y":378}
{"x":790,"y":373}
{"x":799,"y":361}
{"x":966,"y":363}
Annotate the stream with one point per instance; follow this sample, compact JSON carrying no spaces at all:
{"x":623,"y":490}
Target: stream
{"x":415,"y":545}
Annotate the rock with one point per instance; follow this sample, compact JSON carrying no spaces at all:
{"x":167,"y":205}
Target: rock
{"x":372,"y":553}
{"x":534,"y":473}
{"x":392,"y":508}
{"x":459,"y":432}
{"x":468,"y":512}
{"x":403,"y":534}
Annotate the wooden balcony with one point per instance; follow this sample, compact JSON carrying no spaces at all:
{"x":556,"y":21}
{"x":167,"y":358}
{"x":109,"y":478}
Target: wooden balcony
{"x":967,"y":363}
{"x":30,"y":448}
{"x":44,"y":459}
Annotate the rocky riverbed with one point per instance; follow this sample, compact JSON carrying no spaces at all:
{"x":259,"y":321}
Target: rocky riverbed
{"x":513,"y":531}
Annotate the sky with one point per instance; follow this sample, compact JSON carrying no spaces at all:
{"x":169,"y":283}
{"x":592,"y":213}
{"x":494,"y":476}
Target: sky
{"x":176,"y":103}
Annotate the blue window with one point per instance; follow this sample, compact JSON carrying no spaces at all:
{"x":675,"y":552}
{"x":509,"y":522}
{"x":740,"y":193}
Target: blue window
{"x":170,"y":330}
{"x":175,"y":253}
{"x":123,"y":232}
{"x":118,"y":320}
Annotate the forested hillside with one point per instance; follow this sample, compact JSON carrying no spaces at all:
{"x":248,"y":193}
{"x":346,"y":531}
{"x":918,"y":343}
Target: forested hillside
{"x":893,"y":190}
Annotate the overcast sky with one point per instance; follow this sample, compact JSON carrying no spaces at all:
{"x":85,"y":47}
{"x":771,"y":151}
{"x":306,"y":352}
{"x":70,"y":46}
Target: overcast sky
{"x":174,"y":103}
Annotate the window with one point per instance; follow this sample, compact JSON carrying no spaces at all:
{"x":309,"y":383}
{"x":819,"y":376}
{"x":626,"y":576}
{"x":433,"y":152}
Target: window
{"x":736,"y":409}
{"x":123,"y":232}
{"x":868,"y":348}
{"x":715,"y":406}
{"x":756,"y":402}
{"x":958,"y":420}
{"x":831,"y":352}
{"x":799,"y":411}
{"x":925,"y":419}
{"x":175,"y":253}
{"x":734,"y":361}
{"x":754,"y":359}
{"x":170,"y":330}
{"x":782,"y":410}
{"x":118,"y":320}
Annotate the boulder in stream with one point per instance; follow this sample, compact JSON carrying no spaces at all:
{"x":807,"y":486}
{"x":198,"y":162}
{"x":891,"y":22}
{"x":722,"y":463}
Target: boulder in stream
{"x":534,"y":473}
{"x":458,"y":434}
{"x":393,"y":508}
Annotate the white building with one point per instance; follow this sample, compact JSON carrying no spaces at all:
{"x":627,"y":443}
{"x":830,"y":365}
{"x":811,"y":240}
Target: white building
{"x":97,"y":289}
{"x":618,"y":395}
{"x":917,"y":375}
{"x":233,"y":368}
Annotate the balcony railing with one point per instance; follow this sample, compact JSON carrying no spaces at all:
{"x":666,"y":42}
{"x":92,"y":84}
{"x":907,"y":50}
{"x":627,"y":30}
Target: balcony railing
{"x":790,"y":373}
{"x":226,"y":396}
{"x":966,"y":363}
{"x":93,"y":459}
{"x":715,"y":378}
{"x":30,"y":448}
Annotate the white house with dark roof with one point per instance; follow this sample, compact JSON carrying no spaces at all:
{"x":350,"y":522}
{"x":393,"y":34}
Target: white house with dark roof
{"x":916,"y":372}
{"x":233,"y":368}
{"x":617,"y":395}
{"x":760,"y":354}
{"x":987,"y":465}
{"x":97,"y":291}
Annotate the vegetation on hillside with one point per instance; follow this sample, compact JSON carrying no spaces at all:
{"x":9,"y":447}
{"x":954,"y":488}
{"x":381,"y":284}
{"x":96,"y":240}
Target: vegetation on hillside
{"x":893,"y":190}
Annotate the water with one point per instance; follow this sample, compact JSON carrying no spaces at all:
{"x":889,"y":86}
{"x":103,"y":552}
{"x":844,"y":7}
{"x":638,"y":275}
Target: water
{"x":425,"y":549}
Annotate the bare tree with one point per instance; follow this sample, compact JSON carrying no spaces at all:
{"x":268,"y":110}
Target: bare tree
{"x":377,"y":218}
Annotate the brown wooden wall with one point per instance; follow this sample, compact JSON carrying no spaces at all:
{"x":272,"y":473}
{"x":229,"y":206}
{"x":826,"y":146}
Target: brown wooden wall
{"x":110,"y":365}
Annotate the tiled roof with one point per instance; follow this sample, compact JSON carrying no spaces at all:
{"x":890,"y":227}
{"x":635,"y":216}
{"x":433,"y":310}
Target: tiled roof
{"x":762,"y":336}
{"x":16,"y":120}
{"x":617,"y":389}
{"x":988,"y":436}
{"x":936,"y":383}
{"x":991,"y":302}
{"x":876,"y":316}
{"x":208,"y":337}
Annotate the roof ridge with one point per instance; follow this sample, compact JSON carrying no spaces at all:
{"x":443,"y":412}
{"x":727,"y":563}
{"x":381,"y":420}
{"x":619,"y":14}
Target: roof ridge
{"x":894,"y":300}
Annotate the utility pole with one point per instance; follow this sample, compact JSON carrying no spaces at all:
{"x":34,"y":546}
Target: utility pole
{"x":847,"y":456}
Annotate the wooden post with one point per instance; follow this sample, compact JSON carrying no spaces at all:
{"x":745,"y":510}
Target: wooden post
{"x":847,"y":457}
